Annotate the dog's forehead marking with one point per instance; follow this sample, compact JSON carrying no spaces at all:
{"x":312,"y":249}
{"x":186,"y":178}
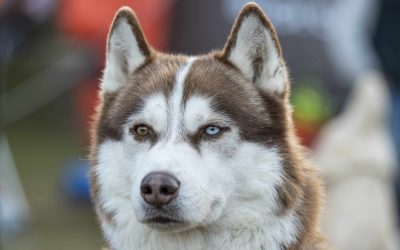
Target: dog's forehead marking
{"x":176,"y":100}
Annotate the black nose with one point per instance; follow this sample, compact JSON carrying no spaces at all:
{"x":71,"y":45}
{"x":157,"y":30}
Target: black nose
{"x":159,"y":188}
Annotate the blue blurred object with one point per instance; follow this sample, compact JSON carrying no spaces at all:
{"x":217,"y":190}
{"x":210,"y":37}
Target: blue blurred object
{"x":74,"y":180}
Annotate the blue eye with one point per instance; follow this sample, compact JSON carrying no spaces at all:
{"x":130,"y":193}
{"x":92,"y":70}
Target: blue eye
{"x":212,"y":130}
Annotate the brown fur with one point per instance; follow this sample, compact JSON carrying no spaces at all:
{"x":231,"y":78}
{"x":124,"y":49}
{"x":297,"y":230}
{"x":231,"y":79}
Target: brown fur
{"x":302,"y":189}
{"x":214,"y":75}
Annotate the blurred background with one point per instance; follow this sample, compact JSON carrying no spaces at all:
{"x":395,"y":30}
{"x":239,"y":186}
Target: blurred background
{"x":344,"y":61}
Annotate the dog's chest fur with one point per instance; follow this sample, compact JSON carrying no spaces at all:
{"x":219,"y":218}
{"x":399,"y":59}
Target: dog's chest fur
{"x":219,"y":126}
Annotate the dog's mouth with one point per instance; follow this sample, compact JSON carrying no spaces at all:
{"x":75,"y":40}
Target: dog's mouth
{"x":166,"y":223}
{"x":162,"y":220}
{"x":163,"y":217}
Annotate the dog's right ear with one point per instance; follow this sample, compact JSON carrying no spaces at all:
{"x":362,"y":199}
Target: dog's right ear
{"x":253,"y":48}
{"x":127,"y":49}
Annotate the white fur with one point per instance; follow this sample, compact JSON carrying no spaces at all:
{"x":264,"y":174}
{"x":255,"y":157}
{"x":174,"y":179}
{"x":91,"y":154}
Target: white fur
{"x":176,"y":98}
{"x":227,"y":194}
{"x":198,"y":112}
{"x":154,"y":112}
{"x":251,"y":174}
{"x":254,"y":40}
{"x":123,"y":46}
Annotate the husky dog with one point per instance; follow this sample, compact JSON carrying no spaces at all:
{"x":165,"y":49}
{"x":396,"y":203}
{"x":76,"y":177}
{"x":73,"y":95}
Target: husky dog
{"x":200,"y":152}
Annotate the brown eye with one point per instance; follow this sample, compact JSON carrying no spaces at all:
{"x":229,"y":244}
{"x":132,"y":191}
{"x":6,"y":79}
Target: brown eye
{"x":142,"y":130}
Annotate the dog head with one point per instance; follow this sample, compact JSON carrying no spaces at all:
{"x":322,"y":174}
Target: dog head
{"x":183,"y":142}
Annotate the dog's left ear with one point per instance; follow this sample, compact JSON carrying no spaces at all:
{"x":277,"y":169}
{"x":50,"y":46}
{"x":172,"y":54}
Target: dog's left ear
{"x":127,"y":50}
{"x":253,"y":47}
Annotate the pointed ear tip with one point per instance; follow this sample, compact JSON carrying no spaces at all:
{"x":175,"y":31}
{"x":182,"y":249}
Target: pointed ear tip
{"x":123,"y":15}
{"x":252,"y":8}
{"x":124,"y":12}
{"x":254,"y":11}
{"x":253,"y":5}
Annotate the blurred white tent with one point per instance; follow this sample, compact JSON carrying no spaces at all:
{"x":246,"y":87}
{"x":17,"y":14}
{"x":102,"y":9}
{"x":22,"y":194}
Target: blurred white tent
{"x":357,"y":157}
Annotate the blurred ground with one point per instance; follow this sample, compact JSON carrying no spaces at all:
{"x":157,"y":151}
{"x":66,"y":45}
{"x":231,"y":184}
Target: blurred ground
{"x":54,"y":218}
